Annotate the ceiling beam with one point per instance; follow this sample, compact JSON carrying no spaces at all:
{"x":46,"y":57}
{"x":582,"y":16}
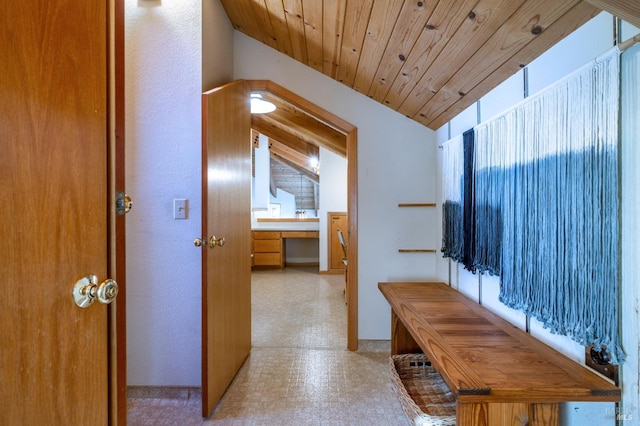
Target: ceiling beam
{"x":303,"y":148}
{"x":306,"y":173}
{"x":623,"y":9}
{"x":301,"y":119}
{"x":271,"y":129}
{"x":312,"y":122}
{"x":301,"y":159}
{"x":301,"y":126}
{"x":313,"y":110}
{"x":274,"y":130}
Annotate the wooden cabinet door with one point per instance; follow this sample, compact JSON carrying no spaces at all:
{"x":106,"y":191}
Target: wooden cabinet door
{"x":53,"y":214}
{"x":337,"y":222}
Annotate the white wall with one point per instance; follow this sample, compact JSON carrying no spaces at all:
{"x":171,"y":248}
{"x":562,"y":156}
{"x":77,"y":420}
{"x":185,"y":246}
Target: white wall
{"x":260,"y":193}
{"x":164,"y":80}
{"x":333,"y":196}
{"x":630,"y":223}
{"x":585,"y":44}
{"x":396,"y":164}
{"x":216,"y":45}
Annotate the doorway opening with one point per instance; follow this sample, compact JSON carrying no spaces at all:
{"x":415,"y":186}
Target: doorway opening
{"x":341,"y":139}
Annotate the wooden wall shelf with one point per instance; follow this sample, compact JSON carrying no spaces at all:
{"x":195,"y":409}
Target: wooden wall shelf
{"x":417,"y":205}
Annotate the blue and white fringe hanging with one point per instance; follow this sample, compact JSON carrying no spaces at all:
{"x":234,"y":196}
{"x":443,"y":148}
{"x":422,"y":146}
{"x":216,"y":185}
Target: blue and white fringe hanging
{"x":452,"y":207}
{"x":545,"y":188}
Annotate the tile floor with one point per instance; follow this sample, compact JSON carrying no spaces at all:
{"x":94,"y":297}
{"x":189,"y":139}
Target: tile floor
{"x":299,"y":371}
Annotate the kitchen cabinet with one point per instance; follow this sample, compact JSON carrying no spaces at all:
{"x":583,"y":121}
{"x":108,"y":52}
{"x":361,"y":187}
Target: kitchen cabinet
{"x":268,"y":248}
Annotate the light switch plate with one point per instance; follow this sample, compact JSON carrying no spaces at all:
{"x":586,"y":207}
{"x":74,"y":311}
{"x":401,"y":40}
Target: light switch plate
{"x":180,"y":208}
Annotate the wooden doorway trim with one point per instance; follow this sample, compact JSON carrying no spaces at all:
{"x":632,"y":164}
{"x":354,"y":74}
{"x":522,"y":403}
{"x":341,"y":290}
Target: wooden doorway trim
{"x":352,"y":239}
{"x":117,"y":326}
{"x":351,"y":134}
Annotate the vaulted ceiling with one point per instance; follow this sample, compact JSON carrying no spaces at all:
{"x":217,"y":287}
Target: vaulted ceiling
{"x":428,"y":60}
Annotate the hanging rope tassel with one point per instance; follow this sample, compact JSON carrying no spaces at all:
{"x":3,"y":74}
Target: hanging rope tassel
{"x":452,"y":208}
{"x":546,"y":205}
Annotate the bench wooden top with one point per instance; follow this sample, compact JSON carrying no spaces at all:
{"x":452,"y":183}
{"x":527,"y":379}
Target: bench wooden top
{"x":482,"y":357}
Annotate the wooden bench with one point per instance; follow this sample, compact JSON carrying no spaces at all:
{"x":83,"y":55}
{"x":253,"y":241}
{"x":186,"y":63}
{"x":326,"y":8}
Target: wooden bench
{"x":499,"y":374}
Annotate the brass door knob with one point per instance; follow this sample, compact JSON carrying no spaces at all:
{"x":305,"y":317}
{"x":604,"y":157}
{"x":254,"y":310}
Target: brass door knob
{"x":87,"y":290}
{"x":210,"y":242}
{"x":213,"y":241}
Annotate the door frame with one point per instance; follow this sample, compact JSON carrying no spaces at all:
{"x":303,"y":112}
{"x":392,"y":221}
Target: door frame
{"x":351,"y":134}
{"x":116,"y":318}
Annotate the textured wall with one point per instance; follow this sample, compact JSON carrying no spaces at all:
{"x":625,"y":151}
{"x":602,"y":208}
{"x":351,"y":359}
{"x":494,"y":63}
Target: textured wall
{"x":163,"y":87}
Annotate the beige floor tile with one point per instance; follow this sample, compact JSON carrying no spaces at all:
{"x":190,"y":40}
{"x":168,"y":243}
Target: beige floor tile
{"x":299,"y":371}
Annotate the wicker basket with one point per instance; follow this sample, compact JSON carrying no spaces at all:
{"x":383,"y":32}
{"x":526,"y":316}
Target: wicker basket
{"x":424,"y":396}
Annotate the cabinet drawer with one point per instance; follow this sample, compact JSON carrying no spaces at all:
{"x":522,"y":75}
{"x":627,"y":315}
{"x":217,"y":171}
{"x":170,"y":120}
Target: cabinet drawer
{"x":266,"y":246}
{"x":267,"y":259}
{"x":266,"y":235}
{"x":300,"y":234}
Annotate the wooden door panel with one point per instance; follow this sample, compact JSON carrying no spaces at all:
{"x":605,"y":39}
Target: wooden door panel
{"x":53,"y":217}
{"x":226,"y":275}
{"x":337,"y":221}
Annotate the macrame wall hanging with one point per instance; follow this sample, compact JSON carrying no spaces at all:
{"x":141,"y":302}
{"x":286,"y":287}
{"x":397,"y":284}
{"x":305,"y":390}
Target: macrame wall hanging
{"x":545,"y":205}
{"x":452,"y":207}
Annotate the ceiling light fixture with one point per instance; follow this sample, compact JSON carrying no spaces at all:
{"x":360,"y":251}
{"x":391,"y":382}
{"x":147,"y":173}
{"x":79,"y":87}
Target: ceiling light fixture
{"x":260,"y":106}
{"x":315,"y":165}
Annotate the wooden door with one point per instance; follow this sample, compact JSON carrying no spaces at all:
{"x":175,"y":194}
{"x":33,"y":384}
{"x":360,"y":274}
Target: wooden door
{"x":53,"y":214}
{"x":226,"y":204}
{"x":337,"y":221}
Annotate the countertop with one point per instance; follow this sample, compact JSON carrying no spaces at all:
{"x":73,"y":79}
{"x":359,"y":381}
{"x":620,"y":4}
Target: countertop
{"x":285,"y":224}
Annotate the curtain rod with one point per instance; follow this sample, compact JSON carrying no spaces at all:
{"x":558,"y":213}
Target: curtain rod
{"x":628,"y":43}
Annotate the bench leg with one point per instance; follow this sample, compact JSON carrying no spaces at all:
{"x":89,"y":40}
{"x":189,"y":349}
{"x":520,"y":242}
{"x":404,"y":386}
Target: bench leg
{"x":515,"y":414}
{"x":401,"y":340}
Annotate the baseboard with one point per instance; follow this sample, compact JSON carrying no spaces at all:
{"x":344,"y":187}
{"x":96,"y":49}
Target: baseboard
{"x":163,"y":392}
{"x":374,"y":346}
{"x":302,"y":261}
{"x":333,"y":272}
{"x":294,"y":262}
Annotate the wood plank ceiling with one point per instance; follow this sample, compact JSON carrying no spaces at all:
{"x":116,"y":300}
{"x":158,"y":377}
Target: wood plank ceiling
{"x":428,"y":60}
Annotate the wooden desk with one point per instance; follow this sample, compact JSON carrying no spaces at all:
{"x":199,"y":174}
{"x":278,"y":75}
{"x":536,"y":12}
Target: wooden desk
{"x":268,"y":247}
{"x":499,"y":374}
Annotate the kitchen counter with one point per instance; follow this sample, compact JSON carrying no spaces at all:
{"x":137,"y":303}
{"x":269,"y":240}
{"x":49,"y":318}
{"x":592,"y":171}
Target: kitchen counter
{"x":286,"y":224}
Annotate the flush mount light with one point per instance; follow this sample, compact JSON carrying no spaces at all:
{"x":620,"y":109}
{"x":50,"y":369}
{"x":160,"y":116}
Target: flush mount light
{"x":259,"y":105}
{"x":315,"y":165}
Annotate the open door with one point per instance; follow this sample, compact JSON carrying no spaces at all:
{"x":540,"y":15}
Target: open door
{"x":337,"y":248}
{"x":54,"y":211}
{"x":226,"y":242}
